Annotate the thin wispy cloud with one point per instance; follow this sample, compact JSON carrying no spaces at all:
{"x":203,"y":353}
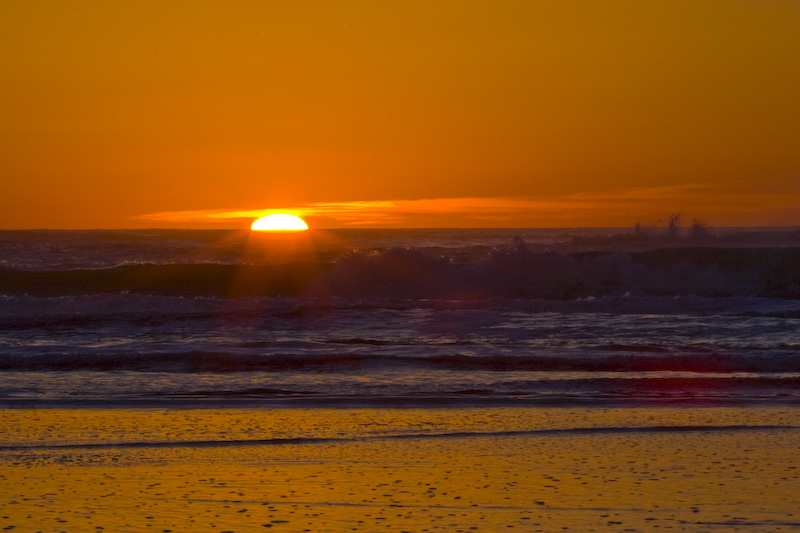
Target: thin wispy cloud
{"x":626,"y":206}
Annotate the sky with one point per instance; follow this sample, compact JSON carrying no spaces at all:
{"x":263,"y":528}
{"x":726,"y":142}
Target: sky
{"x":431,"y":113}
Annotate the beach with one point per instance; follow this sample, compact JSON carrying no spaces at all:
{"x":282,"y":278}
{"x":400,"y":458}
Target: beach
{"x":414,"y":380}
{"x":452,"y":469}
{"x":400,"y":266}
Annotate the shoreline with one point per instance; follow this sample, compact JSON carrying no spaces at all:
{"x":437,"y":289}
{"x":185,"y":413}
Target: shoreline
{"x":344,"y":402}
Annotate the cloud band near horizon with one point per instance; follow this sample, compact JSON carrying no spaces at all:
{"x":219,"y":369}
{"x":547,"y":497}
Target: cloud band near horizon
{"x":616,"y":208}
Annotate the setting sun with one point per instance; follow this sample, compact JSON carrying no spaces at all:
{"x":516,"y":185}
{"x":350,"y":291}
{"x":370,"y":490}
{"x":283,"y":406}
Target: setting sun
{"x":279,"y":222}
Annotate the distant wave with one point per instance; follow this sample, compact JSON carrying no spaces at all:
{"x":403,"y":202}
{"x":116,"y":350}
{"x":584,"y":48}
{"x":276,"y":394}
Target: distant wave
{"x":220,"y":362}
{"x":164,"y":279}
{"x":25,"y":312}
{"x":515,"y":272}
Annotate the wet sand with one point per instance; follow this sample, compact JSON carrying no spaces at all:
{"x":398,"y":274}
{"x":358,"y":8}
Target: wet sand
{"x":491,"y":469}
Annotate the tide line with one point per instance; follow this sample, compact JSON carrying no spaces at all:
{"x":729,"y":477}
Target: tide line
{"x":452,"y":435}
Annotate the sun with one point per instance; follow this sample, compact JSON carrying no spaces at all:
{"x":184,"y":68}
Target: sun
{"x":279,"y":222}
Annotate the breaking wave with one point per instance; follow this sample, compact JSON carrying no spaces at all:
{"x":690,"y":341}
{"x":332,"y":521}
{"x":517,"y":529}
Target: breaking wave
{"x":515,"y":272}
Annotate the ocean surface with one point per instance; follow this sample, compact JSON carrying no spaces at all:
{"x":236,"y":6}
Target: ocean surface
{"x":400,"y":318}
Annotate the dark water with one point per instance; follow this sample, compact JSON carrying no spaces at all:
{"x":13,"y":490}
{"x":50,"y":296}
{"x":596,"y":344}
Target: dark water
{"x":399,"y":317}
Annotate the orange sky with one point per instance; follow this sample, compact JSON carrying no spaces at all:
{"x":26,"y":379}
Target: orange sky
{"x":413,"y":113}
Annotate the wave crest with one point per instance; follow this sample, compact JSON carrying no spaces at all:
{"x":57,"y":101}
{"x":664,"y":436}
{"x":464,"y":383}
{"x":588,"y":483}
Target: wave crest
{"x":515,"y":272}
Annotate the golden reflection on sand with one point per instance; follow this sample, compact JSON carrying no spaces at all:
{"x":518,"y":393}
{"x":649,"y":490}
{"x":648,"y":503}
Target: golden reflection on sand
{"x":362,"y":480}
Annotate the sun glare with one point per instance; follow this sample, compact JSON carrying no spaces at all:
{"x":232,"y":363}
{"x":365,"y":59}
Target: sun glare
{"x":279,"y":222}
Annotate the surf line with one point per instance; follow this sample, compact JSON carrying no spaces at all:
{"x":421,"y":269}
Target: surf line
{"x":453,"y":435}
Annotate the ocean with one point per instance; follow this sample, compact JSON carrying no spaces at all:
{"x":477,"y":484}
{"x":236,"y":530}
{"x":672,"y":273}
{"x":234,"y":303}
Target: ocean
{"x":400,"y":380}
{"x":400,"y":318}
